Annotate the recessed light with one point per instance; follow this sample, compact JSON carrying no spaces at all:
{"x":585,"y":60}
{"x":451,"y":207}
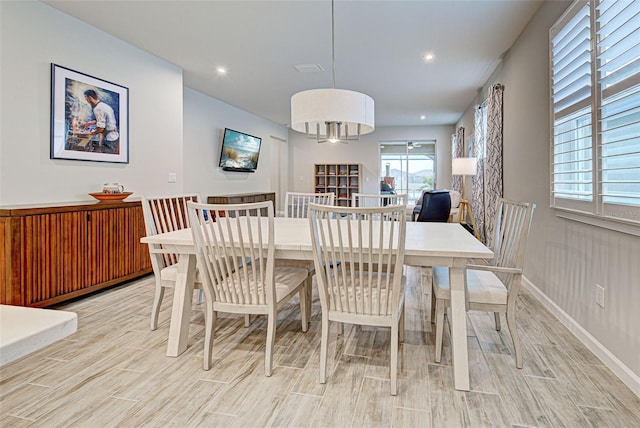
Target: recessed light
{"x":221,"y":70}
{"x":423,"y":117}
{"x":428,"y":57}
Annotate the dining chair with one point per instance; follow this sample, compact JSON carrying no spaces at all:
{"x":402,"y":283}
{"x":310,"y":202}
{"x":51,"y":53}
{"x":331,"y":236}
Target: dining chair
{"x":165,"y":214}
{"x":359,"y":265}
{"x":297,"y":203}
{"x":235,"y":255}
{"x":363,"y":200}
{"x":494,"y":287}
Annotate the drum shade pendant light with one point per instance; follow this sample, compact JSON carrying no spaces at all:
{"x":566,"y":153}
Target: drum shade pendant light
{"x":332,"y":114}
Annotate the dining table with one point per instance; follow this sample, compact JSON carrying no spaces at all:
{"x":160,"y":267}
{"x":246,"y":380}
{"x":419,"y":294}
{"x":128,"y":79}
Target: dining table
{"x":426,"y":245}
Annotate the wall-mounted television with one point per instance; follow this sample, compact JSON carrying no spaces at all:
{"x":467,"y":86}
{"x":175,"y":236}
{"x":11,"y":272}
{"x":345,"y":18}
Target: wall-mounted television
{"x":239,"y":151}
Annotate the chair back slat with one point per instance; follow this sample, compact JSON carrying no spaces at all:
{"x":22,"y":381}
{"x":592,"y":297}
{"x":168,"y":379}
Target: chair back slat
{"x":296,"y":204}
{"x":359,"y":256}
{"x":235,"y":251}
{"x":165,"y":214}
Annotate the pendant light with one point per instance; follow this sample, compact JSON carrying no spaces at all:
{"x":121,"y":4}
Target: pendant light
{"x":332,"y":115}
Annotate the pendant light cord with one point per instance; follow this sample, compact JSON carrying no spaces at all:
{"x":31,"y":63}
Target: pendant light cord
{"x":333,"y":48}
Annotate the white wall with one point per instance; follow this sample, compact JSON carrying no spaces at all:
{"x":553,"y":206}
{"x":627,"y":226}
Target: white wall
{"x":32,"y":36}
{"x":303,"y":154}
{"x":565,"y":259}
{"x":204,"y":121}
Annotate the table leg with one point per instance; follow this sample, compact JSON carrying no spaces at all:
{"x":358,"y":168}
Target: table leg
{"x":458,"y":320}
{"x":181,"y":310}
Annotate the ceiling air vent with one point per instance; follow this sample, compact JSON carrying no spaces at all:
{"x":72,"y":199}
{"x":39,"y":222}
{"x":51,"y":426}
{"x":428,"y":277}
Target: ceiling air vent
{"x":308,"y":68}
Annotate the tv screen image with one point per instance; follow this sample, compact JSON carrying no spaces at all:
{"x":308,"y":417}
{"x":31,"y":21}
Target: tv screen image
{"x":239,"y":151}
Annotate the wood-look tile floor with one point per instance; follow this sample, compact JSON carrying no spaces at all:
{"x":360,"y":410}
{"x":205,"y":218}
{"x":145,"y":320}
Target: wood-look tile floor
{"x":113,"y":372}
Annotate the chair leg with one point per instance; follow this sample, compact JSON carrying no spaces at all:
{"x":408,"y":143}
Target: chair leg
{"x":497,"y":317}
{"x":309,"y":290}
{"x":394,"y":359}
{"x":324,"y":348}
{"x":247,"y":320}
{"x":433,"y":307}
{"x":511,"y":323}
{"x":157,"y":301}
{"x":440,"y":306}
{"x":209,"y":332}
{"x":401,"y":325}
{"x":271,"y":339}
{"x":304,"y":315}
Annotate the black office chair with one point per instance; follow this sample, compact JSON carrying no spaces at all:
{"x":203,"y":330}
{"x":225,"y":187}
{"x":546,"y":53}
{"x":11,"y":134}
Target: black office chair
{"x":436,"y":206}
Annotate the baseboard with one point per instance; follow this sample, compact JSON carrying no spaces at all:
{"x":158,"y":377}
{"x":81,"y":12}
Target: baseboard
{"x":623,"y":372}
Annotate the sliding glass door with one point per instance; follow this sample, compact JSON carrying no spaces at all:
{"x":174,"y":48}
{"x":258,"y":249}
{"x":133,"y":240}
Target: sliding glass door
{"x":408,"y":166}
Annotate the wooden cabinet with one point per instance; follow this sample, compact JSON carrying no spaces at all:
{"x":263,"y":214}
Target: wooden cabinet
{"x":342,"y":179}
{"x":52,"y":253}
{"x":243,"y":198}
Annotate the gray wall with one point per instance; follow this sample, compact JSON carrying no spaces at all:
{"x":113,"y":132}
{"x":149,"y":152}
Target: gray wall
{"x":565,"y":259}
{"x":305,"y":153}
{"x":34,"y":35}
{"x":204,"y":121}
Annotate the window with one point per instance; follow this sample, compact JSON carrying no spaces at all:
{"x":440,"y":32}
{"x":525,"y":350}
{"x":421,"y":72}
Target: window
{"x":410,"y":165}
{"x":595,"y":94}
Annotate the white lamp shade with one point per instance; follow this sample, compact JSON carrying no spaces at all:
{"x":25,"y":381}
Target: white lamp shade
{"x":464,"y":166}
{"x":317,"y":106}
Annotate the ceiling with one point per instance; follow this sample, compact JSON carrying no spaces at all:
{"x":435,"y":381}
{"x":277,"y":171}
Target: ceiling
{"x":379,"y":48}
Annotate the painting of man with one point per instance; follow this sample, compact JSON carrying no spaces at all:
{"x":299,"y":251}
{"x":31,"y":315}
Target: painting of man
{"x":93,"y":124}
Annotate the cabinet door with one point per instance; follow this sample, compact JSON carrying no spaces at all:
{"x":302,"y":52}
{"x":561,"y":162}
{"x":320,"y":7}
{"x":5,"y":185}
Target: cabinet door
{"x":54,"y":255}
{"x":114,"y":248}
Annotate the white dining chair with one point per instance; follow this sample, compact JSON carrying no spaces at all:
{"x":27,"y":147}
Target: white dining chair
{"x":494,"y":287}
{"x":165,"y":214}
{"x":297,"y":204}
{"x":235,"y":254}
{"x":363,"y":200}
{"x":359,"y":265}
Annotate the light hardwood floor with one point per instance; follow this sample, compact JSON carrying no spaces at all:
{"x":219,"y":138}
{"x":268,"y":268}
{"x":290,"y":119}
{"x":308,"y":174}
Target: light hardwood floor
{"x":114,"y":372}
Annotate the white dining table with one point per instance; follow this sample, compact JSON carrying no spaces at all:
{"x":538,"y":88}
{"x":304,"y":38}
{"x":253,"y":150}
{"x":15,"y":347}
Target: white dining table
{"x":427,"y":244}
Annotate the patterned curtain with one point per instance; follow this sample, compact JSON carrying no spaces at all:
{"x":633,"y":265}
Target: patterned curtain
{"x":457,"y":151}
{"x":479,"y":152}
{"x":493,"y":188}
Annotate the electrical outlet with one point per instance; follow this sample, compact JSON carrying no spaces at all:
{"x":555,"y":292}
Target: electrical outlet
{"x":173,"y":177}
{"x":600,"y":295}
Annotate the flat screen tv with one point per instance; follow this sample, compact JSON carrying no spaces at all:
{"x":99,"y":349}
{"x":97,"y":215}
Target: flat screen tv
{"x":239,"y":151}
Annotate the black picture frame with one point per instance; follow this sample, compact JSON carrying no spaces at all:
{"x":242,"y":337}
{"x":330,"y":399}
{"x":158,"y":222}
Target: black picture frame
{"x":89,"y":117}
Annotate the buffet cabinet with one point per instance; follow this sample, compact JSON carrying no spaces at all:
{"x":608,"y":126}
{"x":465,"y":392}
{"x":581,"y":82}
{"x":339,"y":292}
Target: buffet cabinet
{"x":244,"y":198}
{"x":53,"y":253}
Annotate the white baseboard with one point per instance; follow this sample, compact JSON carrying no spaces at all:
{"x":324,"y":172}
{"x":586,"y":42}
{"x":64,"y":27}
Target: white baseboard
{"x":623,"y":372}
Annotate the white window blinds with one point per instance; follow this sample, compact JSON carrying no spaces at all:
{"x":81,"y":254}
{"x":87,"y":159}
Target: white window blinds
{"x":618,"y":60}
{"x":595,"y":97}
{"x":571,"y":97}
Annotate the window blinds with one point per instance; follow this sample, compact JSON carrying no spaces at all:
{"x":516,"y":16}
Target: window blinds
{"x":595,"y":105}
{"x":618,"y":61}
{"x":572,"y":112}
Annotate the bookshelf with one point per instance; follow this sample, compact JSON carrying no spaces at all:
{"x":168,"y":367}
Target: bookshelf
{"x":342,"y":179}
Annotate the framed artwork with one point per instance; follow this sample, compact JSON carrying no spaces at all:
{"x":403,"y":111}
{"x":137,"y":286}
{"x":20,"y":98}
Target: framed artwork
{"x":89,"y":117}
